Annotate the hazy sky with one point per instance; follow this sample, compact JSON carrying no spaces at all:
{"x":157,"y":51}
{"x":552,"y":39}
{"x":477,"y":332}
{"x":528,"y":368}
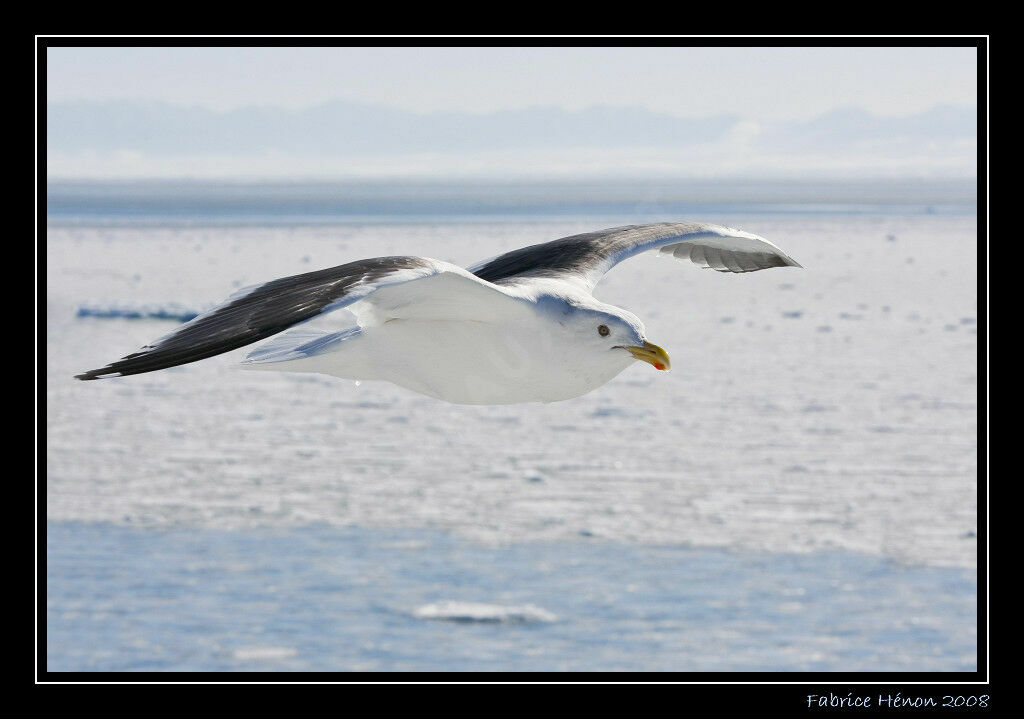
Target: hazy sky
{"x":763,"y":83}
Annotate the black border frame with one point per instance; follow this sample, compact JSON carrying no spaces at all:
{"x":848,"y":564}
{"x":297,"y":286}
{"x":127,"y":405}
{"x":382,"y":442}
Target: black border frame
{"x":758,"y":691}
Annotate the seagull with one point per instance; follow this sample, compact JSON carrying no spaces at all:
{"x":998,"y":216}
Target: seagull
{"x":521,"y":327}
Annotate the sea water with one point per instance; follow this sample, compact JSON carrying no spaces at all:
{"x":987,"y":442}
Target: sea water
{"x":799,"y":493}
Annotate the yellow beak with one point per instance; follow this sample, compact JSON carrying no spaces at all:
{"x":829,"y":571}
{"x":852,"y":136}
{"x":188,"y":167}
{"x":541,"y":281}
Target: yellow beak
{"x":652,"y":354}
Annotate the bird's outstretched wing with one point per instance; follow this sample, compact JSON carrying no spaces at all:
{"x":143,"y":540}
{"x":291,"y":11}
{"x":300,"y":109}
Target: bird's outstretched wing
{"x":586,"y":258}
{"x":427,"y":286}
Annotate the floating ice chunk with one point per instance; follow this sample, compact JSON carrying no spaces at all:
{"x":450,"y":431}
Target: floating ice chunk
{"x":488,"y":613}
{"x":264,"y":653}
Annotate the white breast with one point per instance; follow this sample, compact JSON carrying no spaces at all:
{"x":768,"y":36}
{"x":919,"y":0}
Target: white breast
{"x":481,"y":363}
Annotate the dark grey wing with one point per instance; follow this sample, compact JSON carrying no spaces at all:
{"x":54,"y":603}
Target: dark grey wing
{"x":586,"y":258}
{"x":264,"y":310}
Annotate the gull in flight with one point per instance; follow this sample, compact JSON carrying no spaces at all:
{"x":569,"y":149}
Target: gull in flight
{"x":522,"y":327}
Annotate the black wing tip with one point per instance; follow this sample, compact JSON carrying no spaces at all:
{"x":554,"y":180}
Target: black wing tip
{"x":770,"y":262}
{"x":780,"y":261}
{"x":114,"y":369}
{"x":102,"y":373}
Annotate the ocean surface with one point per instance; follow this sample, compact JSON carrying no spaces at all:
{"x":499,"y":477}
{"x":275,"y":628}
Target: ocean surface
{"x":798,"y":494}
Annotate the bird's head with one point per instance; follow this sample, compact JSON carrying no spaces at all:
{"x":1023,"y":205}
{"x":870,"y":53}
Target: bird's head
{"x":612,"y":332}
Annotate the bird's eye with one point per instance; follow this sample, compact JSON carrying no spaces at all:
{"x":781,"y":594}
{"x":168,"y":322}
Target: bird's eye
{"x":603,"y":330}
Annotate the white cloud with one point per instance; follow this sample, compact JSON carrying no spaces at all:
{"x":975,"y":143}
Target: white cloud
{"x":757,"y":83}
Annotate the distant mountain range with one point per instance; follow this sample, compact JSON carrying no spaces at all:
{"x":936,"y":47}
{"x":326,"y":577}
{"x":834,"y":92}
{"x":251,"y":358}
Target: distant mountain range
{"x":99,"y":137}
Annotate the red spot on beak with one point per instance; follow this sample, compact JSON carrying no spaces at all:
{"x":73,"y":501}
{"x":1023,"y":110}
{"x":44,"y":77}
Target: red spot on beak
{"x":659,"y":365}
